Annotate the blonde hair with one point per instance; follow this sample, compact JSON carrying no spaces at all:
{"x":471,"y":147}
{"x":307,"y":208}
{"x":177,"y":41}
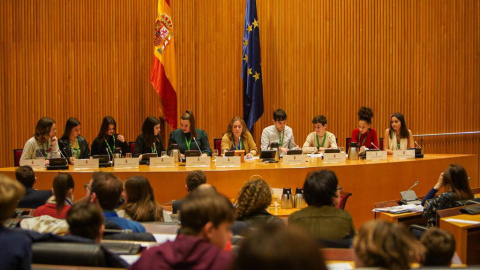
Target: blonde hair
{"x":10,"y":193}
{"x":254,"y":195}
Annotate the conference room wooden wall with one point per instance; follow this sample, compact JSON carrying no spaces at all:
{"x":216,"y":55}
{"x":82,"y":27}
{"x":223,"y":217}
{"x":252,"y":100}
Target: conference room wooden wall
{"x":92,"y":58}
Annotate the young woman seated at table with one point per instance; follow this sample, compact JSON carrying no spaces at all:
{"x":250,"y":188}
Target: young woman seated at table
{"x":238,"y":137}
{"x":149,"y":141}
{"x":107,"y":141}
{"x":455,"y":181}
{"x":365,"y":136}
{"x":188,"y":137}
{"x":398,"y":136}
{"x":44,"y":143}
{"x":72,"y":145}
{"x":320,"y":139}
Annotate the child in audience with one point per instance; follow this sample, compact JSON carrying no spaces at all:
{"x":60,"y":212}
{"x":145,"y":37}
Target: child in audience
{"x":16,"y":248}
{"x":275,"y":247}
{"x":384,"y":245}
{"x":86,"y":220}
{"x":58,"y":205}
{"x":194,"y":179}
{"x":440,"y":247}
{"x":33,"y":198}
{"x":206,"y":218}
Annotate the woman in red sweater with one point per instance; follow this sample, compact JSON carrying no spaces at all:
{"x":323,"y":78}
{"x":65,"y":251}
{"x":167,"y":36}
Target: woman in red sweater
{"x":58,"y":205}
{"x":365,"y":135}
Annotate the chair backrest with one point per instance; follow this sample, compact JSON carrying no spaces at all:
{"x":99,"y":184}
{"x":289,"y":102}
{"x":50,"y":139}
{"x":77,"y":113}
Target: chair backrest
{"x":347,"y":143}
{"x":344,"y":195}
{"x":78,"y":254}
{"x":218,"y":145}
{"x":132,"y":146}
{"x":17,"y":153}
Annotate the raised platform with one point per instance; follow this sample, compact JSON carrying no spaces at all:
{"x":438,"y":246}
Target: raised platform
{"x":369,"y":182}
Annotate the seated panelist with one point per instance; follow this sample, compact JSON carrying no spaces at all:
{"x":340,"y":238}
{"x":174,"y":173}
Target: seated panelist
{"x":44,"y":142}
{"x":238,"y":137}
{"x":107,"y":141}
{"x":72,"y":145}
{"x":188,"y":137}
{"x":279,"y":133}
{"x":320,"y":139}
{"x":149,"y":141}
{"x":398,"y":136}
{"x":365,"y":136}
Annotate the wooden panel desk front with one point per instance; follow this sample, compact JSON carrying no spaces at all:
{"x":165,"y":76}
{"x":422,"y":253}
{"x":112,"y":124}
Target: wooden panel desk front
{"x":369,"y":182}
{"x":467,"y":237}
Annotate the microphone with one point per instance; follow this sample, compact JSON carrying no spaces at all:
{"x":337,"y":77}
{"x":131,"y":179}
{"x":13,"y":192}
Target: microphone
{"x":108,"y":153}
{"x":403,"y":195}
{"x":195,"y":140}
{"x":374,"y":146}
{"x":63,"y":154}
{"x":417,"y":144}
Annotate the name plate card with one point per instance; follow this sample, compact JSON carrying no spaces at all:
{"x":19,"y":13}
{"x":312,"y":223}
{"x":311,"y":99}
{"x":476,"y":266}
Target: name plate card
{"x":294,"y":159}
{"x":228,"y":161}
{"x":162,"y":161}
{"x":404,"y":154}
{"x":334,"y":158}
{"x":198,"y":162}
{"x":34,"y":163}
{"x":124,"y":163}
{"x":81,"y":164}
{"x":376,"y":155}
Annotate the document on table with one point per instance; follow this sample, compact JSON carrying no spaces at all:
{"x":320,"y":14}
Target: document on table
{"x":464,"y":221}
{"x":400,"y":209}
{"x":338,"y":266}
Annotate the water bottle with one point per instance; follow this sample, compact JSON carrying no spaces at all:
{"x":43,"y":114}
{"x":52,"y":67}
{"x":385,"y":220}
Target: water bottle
{"x":287,"y":199}
{"x":299,"y":201}
{"x":352,"y":151}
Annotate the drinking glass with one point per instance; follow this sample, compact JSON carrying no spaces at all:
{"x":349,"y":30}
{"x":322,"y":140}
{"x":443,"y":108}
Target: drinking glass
{"x":163,"y":153}
{"x":214,"y":154}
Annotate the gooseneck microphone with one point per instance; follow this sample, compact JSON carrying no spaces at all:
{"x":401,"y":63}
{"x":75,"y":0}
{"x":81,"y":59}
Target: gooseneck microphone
{"x":108,"y":153}
{"x":374,"y":146}
{"x":403,"y":195}
{"x":195,"y":140}
{"x":417,"y":144}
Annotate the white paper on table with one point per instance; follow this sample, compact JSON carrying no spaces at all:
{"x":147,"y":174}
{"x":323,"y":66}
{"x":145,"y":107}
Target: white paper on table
{"x":315,"y":155}
{"x":130,"y":259}
{"x":338,"y":266}
{"x":464,"y":221}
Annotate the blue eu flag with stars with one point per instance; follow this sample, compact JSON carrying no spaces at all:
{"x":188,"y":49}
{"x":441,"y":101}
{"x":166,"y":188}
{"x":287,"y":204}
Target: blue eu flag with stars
{"x":251,"y":67}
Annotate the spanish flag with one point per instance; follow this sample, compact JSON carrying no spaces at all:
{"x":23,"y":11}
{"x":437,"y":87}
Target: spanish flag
{"x":163,"y":75}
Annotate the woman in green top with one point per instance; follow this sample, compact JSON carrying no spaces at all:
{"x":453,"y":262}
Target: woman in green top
{"x":72,"y":145}
{"x":188,"y":137}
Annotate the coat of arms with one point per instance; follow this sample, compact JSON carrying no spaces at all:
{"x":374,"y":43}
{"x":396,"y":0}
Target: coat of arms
{"x":163,"y":32}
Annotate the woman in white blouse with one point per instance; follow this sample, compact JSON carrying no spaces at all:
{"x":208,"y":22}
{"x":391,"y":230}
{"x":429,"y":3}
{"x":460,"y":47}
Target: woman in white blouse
{"x":398,"y":136}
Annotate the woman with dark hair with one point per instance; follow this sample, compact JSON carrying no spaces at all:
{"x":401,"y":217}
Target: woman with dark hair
{"x":253,"y":201}
{"x":321,"y":218}
{"x":149,"y":141}
{"x":365,"y":135}
{"x":238,"y":137}
{"x":58,"y":205}
{"x":188,"y":137}
{"x":455,"y":181}
{"x":398,"y":136}
{"x":108,"y":141}
{"x":44,"y":141}
{"x":72,"y":145}
{"x":140,"y":204}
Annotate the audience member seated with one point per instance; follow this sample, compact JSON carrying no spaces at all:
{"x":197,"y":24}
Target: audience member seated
{"x":86,"y":220}
{"x":105,"y":190}
{"x":252,"y":202}
{"x":385,"y":245}
{"x":59,"y":204}
{"x":193,"y":180}
{"x":206,"y":218}
{"x":140,"y":204}
{"x":33,"y":198}
{"x":275,"y":247}
{"x":16,"y":248}
{"x":321,"y":218}
{"x":440,"y":247}
{"x":455,"y":181}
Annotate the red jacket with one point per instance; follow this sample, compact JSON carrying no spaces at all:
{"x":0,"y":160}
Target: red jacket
{"x":50,"y":209}
{"x":365,"y":139}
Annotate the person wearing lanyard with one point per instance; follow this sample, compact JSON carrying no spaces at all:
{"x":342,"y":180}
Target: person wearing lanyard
{"x":279,"y":133}
{"x":43,"y":143}
{"x":188,"y":137}
{"x":398,"y":136}
{"x":72,"y":145}
{"x":238,"y":137}
{"x":149,"y":141}
{"x":107,"y":141}
{"x":365,"y":135}
{"x":320,"y":139}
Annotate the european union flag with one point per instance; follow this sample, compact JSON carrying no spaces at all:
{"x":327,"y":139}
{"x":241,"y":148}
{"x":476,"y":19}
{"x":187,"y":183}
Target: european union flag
{"x":251,"y":67}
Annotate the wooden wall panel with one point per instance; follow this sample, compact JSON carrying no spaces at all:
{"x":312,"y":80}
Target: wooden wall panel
{"x":92,"y":58}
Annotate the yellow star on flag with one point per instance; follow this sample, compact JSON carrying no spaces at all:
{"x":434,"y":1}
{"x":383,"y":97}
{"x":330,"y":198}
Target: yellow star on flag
{"x":245,"y":58}
{"x":245,"y":43}
{"x":255,"y":23}
{"x":249,"y":28}
{"x":249,"y":71}
{"x":256,"y":76}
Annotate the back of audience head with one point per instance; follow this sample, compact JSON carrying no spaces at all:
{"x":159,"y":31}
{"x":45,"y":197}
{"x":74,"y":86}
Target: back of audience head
{"x":86,"y":220}
{"x":440,"y":247}
{"x":207,"y":214}
{"x":455,"y":178}
{"x":105,"y":189}
{"x":379,"y":243}
{"x":140,"y":202}
{"x":321,"y":188}
{"x":10,"y":193}
{"x":253,"y":196}
{"x":275,"y":247}
{"x":195,"y":179}
{"x":63,"y":186}
{"x":26,"y":176}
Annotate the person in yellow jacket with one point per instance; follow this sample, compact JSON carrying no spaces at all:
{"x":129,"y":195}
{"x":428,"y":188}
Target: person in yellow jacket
{"x":238,"y":137}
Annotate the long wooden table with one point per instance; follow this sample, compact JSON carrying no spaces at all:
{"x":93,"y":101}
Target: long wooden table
{"x":467,"y":237}
{"x":368,"y":181}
